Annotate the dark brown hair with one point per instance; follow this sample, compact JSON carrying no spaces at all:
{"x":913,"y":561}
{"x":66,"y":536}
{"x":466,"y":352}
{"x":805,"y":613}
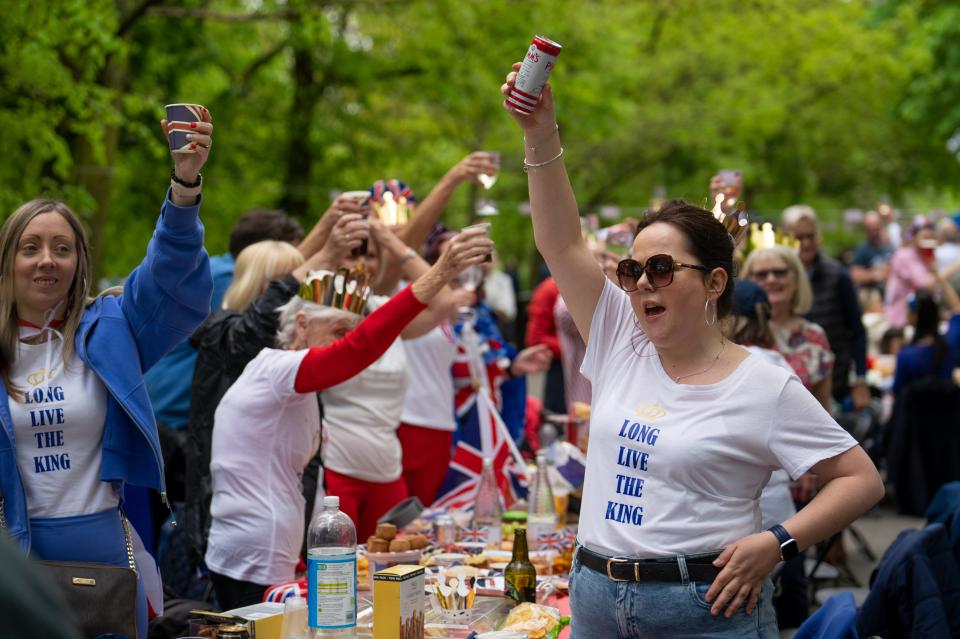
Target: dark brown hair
{"x":706,"y":238}
{"x":259,"y":224}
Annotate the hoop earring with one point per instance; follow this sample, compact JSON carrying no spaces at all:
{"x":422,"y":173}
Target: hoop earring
{"x":706,"y":305}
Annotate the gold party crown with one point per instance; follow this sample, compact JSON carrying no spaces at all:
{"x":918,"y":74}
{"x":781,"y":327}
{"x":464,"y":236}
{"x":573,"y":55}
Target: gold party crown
{"x":764,"y":236}
{"x":392,"y":211}
{"x":345,"y":289}
{"x":735,"y":222}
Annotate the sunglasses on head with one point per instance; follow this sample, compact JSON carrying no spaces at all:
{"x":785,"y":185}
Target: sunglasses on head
{"x":659,"y":270}
{"x":778,"y":273}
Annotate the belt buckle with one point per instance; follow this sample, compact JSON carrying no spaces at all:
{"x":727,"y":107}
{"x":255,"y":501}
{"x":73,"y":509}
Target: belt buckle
{"x":636,"y":569}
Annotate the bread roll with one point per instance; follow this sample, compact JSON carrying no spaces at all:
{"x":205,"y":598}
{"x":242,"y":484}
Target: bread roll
{"x":399,"y":545}
{"x":386,"y":531}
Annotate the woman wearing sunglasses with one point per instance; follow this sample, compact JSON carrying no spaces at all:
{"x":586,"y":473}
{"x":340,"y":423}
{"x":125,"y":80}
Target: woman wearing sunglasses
{"x":686,"y":426}
{"x":802,"y":343}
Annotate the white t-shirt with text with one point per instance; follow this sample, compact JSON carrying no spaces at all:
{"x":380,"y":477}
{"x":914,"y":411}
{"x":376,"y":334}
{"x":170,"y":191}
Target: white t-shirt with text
{"x":676,"y":468}
{"x":264,"y":435}
{"x":58,"y":423}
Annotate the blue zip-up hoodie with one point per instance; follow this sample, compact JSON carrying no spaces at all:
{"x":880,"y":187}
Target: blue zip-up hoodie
{"x":163,"y":300}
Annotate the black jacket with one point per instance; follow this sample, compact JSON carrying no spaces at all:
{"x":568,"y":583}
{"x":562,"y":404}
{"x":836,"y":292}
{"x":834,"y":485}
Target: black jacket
{"x":225,"y":343}
{"x":837,"y":310}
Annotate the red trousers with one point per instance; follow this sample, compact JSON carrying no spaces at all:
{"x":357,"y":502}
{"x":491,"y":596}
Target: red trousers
{"x":364,"y":501}
{"x":426,"y":457}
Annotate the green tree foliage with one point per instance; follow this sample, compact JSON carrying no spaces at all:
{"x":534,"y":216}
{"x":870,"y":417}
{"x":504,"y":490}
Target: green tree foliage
{"x":833,"y":103}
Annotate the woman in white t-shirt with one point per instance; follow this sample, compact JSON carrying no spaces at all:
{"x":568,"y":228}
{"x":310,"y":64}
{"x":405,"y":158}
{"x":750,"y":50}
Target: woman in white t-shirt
{"x":267,"y":426}
{"x":686,"y":427}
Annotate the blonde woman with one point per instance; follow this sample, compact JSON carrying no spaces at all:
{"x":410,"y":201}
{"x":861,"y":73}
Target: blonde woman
{"x":76,"y":425}
{"x":802,"y":343}
{"x":267,"y":275}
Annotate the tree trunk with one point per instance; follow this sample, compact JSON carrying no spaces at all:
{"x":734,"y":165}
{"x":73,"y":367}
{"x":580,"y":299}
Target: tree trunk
{"x":296,"y":184}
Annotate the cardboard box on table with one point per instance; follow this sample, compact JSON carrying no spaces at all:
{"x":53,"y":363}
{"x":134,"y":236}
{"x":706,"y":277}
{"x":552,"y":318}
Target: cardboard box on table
{"x":263,"y":620}
{"x":398,"y":603}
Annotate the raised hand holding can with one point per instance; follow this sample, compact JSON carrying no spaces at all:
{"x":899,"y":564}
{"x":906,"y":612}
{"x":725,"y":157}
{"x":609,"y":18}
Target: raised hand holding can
{"x":537,"y":65}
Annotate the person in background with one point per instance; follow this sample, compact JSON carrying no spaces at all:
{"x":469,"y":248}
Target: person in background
{"x":835,"y":307}
{"x":696,"y":425}
{"x":930,"y":353}
{"x":168,"y":382}
{"x":804,"y":344}
{"x":730,"y":183}
{"x":267,"y":274}
{"x":268,"y":425}
{"x":749,"y":326}
{"x":871,"y":259}
{"x":500,"y":295}
{"x":79,"y":363}
{"x":947,"y":252}
{"x":889,"y":216}
{"x":542,"y":329}
{"x":910,"y":271}
{"x":362,"y":455}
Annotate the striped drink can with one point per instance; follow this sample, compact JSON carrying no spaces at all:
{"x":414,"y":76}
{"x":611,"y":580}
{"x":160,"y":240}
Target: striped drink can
{"x":533,"y":74}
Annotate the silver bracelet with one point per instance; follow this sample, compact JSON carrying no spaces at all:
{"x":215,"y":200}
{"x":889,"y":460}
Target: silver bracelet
{"x":527,"y":166}
{"x":533,"y":147}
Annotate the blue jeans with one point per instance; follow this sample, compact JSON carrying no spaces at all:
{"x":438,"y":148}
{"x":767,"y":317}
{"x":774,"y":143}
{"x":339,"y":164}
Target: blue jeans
{"x":606,"y":609}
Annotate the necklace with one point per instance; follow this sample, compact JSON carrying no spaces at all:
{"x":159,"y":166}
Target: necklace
{"x":723,"y":345}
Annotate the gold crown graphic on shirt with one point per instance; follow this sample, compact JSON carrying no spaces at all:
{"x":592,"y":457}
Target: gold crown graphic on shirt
{"x":344,"y":288}
{"x":40,"y":376}
{"x":764,"y":236}
{"x":650,"y":412}
{"x":735,"y":222}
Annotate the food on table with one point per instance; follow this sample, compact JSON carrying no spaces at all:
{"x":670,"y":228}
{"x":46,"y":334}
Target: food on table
{"x":534,"y":619}
{"x":399,"y":545}
{"x":375,"y":544}
{"x":386,"y":531}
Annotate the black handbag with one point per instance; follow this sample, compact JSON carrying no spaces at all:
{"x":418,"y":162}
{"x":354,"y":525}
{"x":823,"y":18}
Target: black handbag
{"x":100,"y":598}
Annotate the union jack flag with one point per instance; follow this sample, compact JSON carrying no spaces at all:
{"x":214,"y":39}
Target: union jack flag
{"x":553,"y":540}
{"x":478,"y":535}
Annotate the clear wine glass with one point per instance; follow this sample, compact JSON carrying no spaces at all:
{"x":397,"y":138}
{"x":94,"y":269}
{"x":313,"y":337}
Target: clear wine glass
{"x":489,"y":180}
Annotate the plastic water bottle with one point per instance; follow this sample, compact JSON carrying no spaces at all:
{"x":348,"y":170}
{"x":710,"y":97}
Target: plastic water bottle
{"x":541,"y":510}
{"x":487,"y":510}
{"x":332,"y":573}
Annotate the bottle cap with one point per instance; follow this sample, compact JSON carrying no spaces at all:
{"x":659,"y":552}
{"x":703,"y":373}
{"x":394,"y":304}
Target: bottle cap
{"x":331,"y":501}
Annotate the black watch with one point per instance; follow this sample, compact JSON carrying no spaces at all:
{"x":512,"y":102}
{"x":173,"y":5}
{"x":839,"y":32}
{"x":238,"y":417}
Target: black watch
{"x":788,"y":545}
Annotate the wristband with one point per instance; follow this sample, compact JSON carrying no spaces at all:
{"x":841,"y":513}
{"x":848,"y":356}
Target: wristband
{"x":177,"y":179}
{"x":408,"y":255}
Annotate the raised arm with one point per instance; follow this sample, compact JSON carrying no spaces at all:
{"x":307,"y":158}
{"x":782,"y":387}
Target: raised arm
{"x":329,"y":365}
{"x":317,"y":238}
{"x":556,"y":220}
{"x":414,"y":234}
{"x":168,"y":295}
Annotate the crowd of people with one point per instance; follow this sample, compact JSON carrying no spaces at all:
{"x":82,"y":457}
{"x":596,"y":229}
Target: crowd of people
{"x":232,"y":392}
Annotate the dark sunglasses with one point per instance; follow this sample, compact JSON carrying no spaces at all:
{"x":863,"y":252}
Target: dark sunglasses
{"x":659,"y":270}
{"x":778,"y":273}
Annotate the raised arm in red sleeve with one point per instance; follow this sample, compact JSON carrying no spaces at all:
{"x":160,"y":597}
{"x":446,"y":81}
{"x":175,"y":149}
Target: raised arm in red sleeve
{"x":327,"y":366}
{"x":541,"y":325}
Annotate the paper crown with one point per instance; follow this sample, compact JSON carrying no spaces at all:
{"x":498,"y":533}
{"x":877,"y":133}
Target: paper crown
{"x":345,"y":289}
{"x":735,"y":222}
{"x":392,"y":211}
{"x":764,"y":236}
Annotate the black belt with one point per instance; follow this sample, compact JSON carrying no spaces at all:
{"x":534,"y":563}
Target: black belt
{"x":623,"y":569}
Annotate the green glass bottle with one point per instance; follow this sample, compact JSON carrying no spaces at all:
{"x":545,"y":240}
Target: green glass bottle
{"x":520,"y":577}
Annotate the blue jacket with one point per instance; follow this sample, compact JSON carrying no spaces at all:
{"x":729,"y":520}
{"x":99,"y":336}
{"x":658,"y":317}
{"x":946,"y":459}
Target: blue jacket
{"x":169,"y":381}
{"x":915,"y":591}
{"x":835,"y":619}
{"x":163,"y":300}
